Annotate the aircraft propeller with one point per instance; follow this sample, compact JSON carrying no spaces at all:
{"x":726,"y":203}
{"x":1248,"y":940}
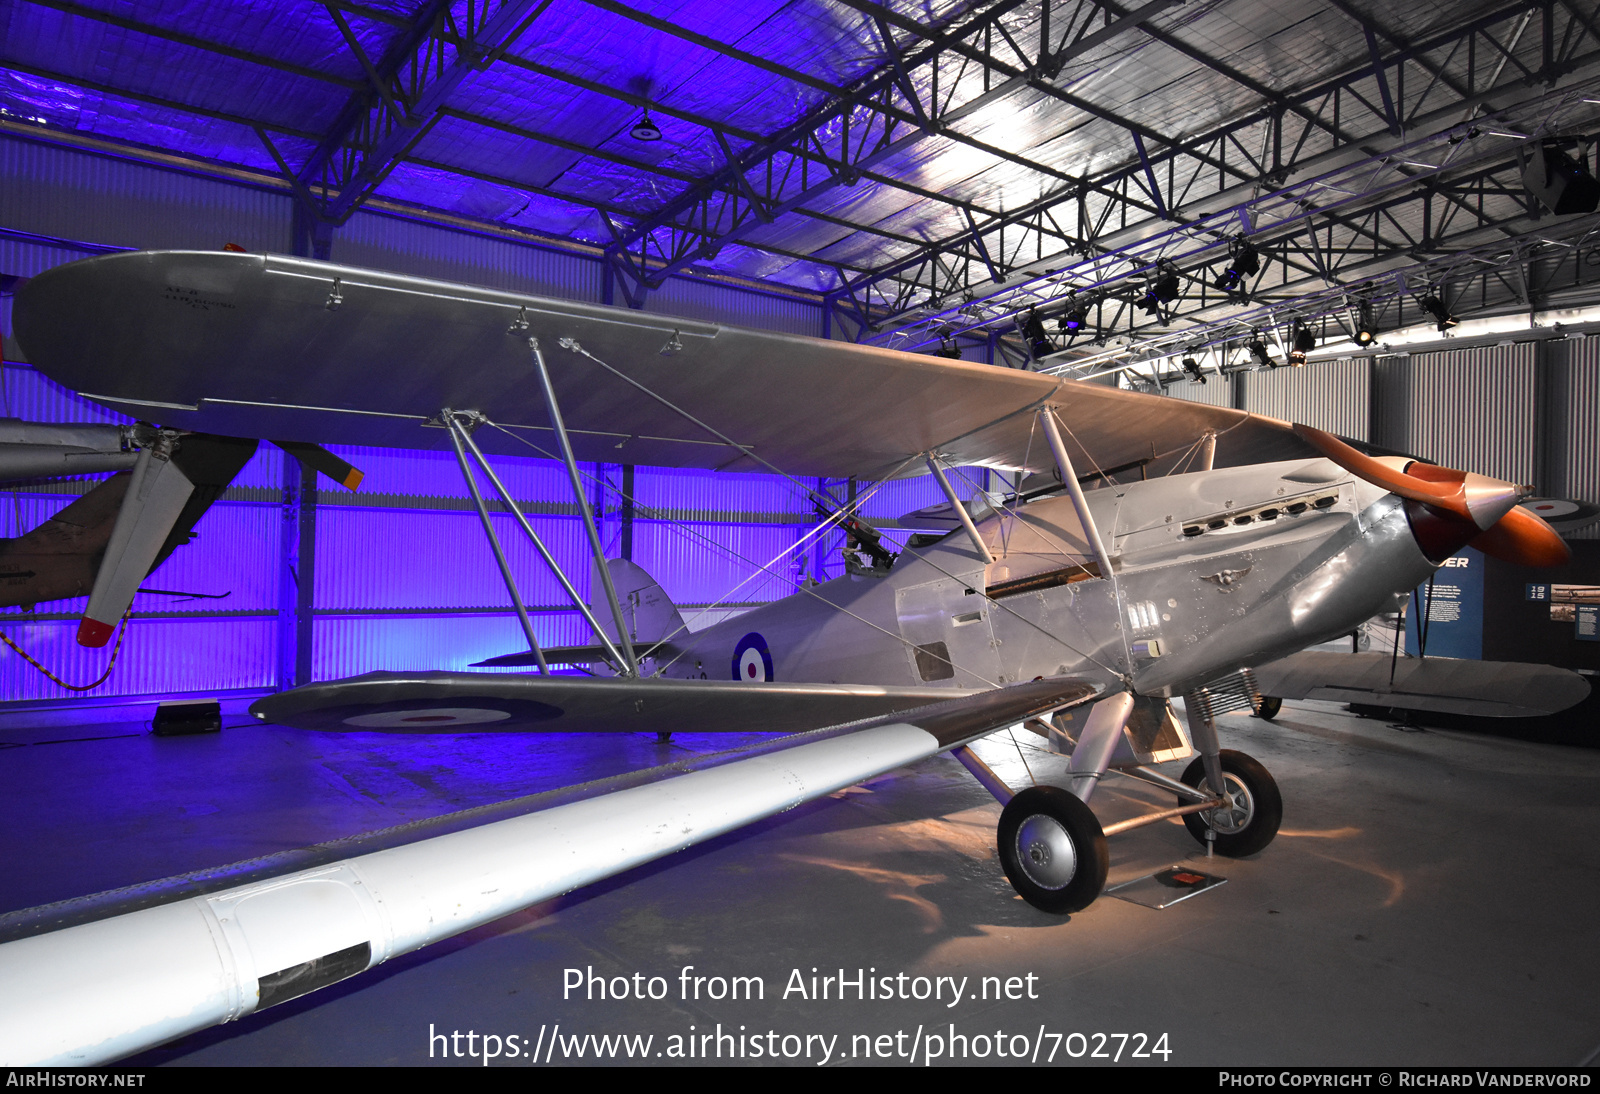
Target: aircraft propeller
{"x":1450,"y":509}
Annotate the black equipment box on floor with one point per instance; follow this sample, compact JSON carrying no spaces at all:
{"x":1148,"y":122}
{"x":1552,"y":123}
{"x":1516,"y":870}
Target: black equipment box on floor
{"x":186,"y":716}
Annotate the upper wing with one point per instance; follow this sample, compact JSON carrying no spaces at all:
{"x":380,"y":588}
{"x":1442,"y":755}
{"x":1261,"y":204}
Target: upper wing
{"x":429,"y":702}
{"x":272,"y":346}
{"x":1493,"y":689}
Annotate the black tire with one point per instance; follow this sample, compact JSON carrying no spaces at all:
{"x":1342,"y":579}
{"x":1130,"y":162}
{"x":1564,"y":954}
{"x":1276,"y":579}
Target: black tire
{"x":1270,"y":705}
{"x":1251,"y":826}
{"x":1053,"y":850}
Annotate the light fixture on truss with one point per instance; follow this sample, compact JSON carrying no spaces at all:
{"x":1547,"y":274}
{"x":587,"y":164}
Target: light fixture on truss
{"x":1258,"y":350}
{"x":1164,"y":288}
{"x":1366,"y":325}
{"x":1039,"y":344}
{"x":1304,"y":342}
{"x":1441,"y":314}
{"x":1075,"y":317}
{"x":1244,"y":261}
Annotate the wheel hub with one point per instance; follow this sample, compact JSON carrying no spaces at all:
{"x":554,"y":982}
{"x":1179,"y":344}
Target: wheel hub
{"x":1045,"y":852}
{"x":1239,"y":807}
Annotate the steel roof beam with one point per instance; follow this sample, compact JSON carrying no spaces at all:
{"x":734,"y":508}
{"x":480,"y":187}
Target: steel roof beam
{"x":422,"y":73}
{"x":638,"y":165}
{"x":1287,"y":215}
{"x":1383,"y":281}
{"x":1030,"y":72}
{"x":878,"y":95}
{"x":1368,"y":23}
{"x":723,"y":130}
{"x":1325,"y":90}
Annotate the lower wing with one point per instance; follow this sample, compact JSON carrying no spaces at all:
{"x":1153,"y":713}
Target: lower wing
{"x":79,"y":995}
{"x":1492,"y":689}
{"x":455,"y":702}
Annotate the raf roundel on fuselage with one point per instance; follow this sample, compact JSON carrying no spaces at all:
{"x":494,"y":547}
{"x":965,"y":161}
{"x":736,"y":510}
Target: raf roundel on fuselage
{"x":752,"y":661}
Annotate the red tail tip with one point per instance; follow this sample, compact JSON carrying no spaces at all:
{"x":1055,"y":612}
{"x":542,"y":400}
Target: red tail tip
{"x":92,"y":632}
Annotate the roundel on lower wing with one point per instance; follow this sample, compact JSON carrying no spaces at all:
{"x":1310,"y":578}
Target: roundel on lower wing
{"x":752,"y":661}
{"x":434,"y":714}
{"x":427,"y":718}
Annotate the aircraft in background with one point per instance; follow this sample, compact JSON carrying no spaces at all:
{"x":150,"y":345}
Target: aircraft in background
{"x":1213,"y":541}
{"x":106,"y":542}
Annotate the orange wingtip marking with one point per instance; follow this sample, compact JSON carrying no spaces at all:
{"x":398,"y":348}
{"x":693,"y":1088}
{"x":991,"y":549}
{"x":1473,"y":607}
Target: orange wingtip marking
{"x":353,"y":480}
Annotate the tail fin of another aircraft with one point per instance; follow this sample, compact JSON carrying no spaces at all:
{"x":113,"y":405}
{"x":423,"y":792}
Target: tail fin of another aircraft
{"x":648,"y":611}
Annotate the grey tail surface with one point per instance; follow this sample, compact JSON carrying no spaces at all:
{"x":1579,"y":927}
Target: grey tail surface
{"x":646,"y":608}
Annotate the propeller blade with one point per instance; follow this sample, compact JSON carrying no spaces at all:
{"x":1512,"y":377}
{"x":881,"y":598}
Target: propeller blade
{"x":1444,"y":495}
{"x":320,"y":459}
{"x":1472,"y":497}
{"x":1522,"y":539}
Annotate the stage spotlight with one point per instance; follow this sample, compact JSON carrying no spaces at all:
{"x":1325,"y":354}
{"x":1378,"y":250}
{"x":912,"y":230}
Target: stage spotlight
{"x":1304,"y":343}
{"x":948,"y":348}
{"x":1258,"y":350}
{"x":644,"y":129}
{"x":1164,"y":288}
{"x":1366,"y":326}
{"x":1562,"y":184}
{"x":1073,"y":319}
{"x":1039,"y":344}
{"x":1441,"y":314}
{"x":1192,"y":367}
{"x":1243,"y":261}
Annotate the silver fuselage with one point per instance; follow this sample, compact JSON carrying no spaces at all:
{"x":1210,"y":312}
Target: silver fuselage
{"x":1212,"y":571}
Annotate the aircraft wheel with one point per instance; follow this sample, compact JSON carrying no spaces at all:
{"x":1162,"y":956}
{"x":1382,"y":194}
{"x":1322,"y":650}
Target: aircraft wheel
{"x":1052,"y":849}
{"x":1270,"y":705}
{"x":1257,"y":810}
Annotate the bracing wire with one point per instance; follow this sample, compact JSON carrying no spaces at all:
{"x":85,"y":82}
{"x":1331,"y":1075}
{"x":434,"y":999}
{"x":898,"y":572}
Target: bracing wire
{"x":824,"y":526}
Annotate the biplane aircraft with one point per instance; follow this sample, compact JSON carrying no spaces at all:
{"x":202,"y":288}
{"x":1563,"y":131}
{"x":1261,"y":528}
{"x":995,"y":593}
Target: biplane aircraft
{"x":1152,"y":549}
{"x":1211,"y":541}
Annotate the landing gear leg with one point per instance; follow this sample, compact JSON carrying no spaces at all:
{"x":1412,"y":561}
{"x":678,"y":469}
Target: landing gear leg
{"x":1103,"y":730}
{"x":1051,"y":844}
{"x":1253,"y":807}
{"x":1203,"y":731}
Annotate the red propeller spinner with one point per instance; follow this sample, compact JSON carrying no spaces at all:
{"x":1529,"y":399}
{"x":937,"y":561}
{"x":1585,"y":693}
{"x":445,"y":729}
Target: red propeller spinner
{"x":1450,"y":509}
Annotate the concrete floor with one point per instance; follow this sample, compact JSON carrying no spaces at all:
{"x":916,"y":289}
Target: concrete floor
{"x":1430,"y":900}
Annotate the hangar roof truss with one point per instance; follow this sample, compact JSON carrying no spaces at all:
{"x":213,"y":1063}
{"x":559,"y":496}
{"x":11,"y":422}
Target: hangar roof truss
{"x":930,"y":170}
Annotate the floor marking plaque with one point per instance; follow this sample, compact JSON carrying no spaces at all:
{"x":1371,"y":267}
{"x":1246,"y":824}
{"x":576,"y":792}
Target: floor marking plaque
{"x":1165,"y":887}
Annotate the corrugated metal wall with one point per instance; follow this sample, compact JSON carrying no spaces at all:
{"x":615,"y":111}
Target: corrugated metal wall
{"x":1216,"y":391}
{"x":1332,"y":396}
{"x":1469,"y":408}
{"x":696,"y":299}
{"x":384,"y":242}
{"x":55,"y":191}
{"x":1574,"y":406}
